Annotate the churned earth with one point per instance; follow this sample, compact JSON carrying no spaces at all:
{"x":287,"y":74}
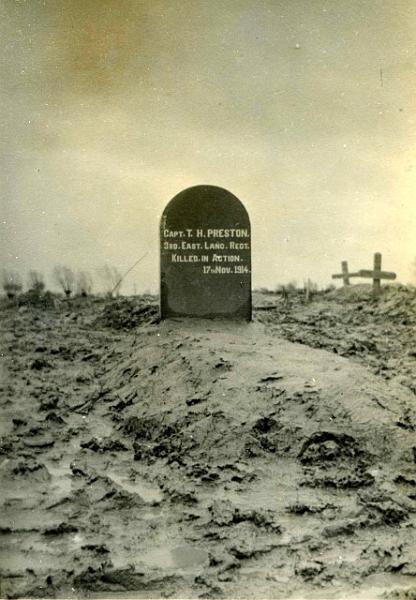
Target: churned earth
{"x":195,"y":458}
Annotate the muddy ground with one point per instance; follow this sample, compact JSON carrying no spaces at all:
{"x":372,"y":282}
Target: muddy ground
{"x":195,"y":459}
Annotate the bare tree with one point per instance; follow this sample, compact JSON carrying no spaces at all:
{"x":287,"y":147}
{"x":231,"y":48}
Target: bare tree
{"x":11,"y":283}
{"x":281,"y":289}
{"x":65,"y":278}
{"x":84,"y":283}
{"x":36,"y":282}
{"x":111,"y":278}
{"x":310,"y":288}
{"x":286,"y":288}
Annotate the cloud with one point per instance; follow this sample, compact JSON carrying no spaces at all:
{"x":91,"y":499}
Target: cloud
{"x":301,"y":109}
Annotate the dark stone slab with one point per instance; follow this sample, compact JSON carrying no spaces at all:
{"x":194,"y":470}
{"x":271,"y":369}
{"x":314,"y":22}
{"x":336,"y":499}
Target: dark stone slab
{"x":205,"y":255}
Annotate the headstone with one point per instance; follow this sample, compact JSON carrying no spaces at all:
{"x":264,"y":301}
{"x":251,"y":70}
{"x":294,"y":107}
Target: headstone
{"x":205,"y":255}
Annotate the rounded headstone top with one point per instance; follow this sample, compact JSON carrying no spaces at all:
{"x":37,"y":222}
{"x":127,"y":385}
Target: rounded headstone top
{"x":214,"y":203}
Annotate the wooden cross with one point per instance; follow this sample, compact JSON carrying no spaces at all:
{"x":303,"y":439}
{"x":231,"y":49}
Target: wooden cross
{"x":377,"y":274}
{"x":345,"y":276}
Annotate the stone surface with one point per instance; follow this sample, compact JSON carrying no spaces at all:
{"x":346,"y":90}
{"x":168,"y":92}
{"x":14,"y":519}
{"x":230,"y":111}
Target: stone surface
{"x":205,"y":256}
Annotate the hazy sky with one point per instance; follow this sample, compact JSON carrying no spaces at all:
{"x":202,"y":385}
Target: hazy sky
{"x":304,"y":109}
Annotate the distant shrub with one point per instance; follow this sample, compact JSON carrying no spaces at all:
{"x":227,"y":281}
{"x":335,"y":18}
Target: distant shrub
{"x":292,"y":286}
{"x":287,"y":289}
{"x":11,"y":283}
{"x":264,"y":290}
{"x":36,"y":282}
{"x":65,"y":279}
{"x":111,"y":278}
{"x":83,"y":284}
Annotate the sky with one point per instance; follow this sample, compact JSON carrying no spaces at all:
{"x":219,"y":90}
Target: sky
{"x":303,"y":109}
